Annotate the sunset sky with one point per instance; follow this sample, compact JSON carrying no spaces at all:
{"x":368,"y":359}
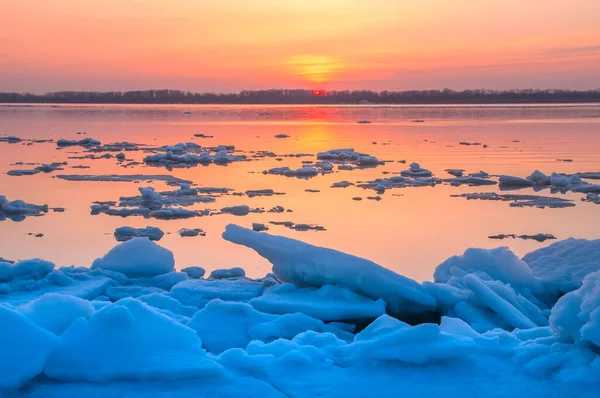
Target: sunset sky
{"x":219,"y":45}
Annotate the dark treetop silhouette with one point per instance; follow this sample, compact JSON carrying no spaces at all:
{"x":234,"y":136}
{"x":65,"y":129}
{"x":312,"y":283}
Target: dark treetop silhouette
{"x":285,"y":96}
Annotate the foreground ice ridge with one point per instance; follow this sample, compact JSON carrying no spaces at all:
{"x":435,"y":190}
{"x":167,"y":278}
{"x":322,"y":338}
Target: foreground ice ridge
{"x":324,"y":323}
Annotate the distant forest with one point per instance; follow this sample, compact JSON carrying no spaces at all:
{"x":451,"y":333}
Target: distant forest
{"x":283,"y":96}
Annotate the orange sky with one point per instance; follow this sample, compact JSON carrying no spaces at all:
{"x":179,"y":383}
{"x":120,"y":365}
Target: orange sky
{"x":220,"y":45}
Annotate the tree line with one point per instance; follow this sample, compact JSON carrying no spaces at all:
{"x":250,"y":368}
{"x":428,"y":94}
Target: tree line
{"x":287,"y":96}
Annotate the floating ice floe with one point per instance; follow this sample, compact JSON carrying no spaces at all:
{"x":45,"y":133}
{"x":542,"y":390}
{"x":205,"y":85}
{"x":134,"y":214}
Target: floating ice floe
{"x":511,"y":181}
{"x":258,"y":227}
{"x":185,"y":232}
{"x":18,"y":210}
{"x":84,"y":142}
{"x":156,"y":204}
{"x":45,"y":168}
{"x":380,"y":185}
{"x":11,"y":139}
{"x":170,"y":180}
{"x":536,"y":237}
{"x":298,"y":227}
{"x":240,"y":210}
{"x":303,"y":172}
{"x":123,"y":234}
{"x":348,"y":157}
{"x":455,"y":172}
{"x":520,"y":200}
{"x":415,"y":170}
{"x":262,"y":192}
{"x":592,"y":198}
{"x":191,"y":154}
{"x":341,"y":184}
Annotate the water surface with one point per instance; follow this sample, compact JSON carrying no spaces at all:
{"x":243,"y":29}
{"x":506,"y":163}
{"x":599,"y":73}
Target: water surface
{"x":410,"y":230}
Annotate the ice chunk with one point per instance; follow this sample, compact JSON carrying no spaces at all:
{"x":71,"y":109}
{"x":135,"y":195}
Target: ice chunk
{"x":577,"y":314}
{"x":25,"y":347}
{"x":510,"y":181}
{"x":415,"y":345}
{"x":259,"y":227}
{"x":185,"y":232}
{"x":26,"y":269}
{"x":502,"y":307}
{"x":304,"y":264}
{"x":18,"y":210}
{"x":500,"y":264}
{"x":327,"y":303}
{"x":564,"y":264}
{"x":123,"y":234}
{"x":232,"y":320}
{"x":55,"y":312}
{"x":540,"y":178}
{"x":241,"y":210}
{"x":235,"y":272}
{"x":128,"y":340}
{"x":138,"y":257}
{"x":194,"y":272}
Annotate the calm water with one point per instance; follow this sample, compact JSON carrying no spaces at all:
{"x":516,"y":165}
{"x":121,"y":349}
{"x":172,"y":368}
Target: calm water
{"x":410,"y":230}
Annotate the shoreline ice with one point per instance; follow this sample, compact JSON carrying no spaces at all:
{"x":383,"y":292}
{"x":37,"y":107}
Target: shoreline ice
{"x":323,"y":323}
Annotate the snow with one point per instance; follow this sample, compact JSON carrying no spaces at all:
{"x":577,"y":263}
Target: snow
{"x":138,"y":257}
{"x":126,"y":233}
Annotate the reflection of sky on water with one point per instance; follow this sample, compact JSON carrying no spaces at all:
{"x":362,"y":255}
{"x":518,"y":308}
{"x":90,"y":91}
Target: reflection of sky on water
{"x":410,"y":233}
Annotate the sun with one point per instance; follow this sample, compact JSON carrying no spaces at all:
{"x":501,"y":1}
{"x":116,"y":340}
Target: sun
{"x":314,"y":68}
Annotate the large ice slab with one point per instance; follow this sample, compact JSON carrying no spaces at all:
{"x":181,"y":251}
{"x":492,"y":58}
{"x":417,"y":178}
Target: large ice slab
{"x":304,"y":264}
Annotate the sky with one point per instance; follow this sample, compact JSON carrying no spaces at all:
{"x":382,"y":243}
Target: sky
{"x":232,"y":45}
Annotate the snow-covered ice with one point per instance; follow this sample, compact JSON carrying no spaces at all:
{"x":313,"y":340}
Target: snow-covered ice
{"x":325,"y":323}
{"x":137,"y":257}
